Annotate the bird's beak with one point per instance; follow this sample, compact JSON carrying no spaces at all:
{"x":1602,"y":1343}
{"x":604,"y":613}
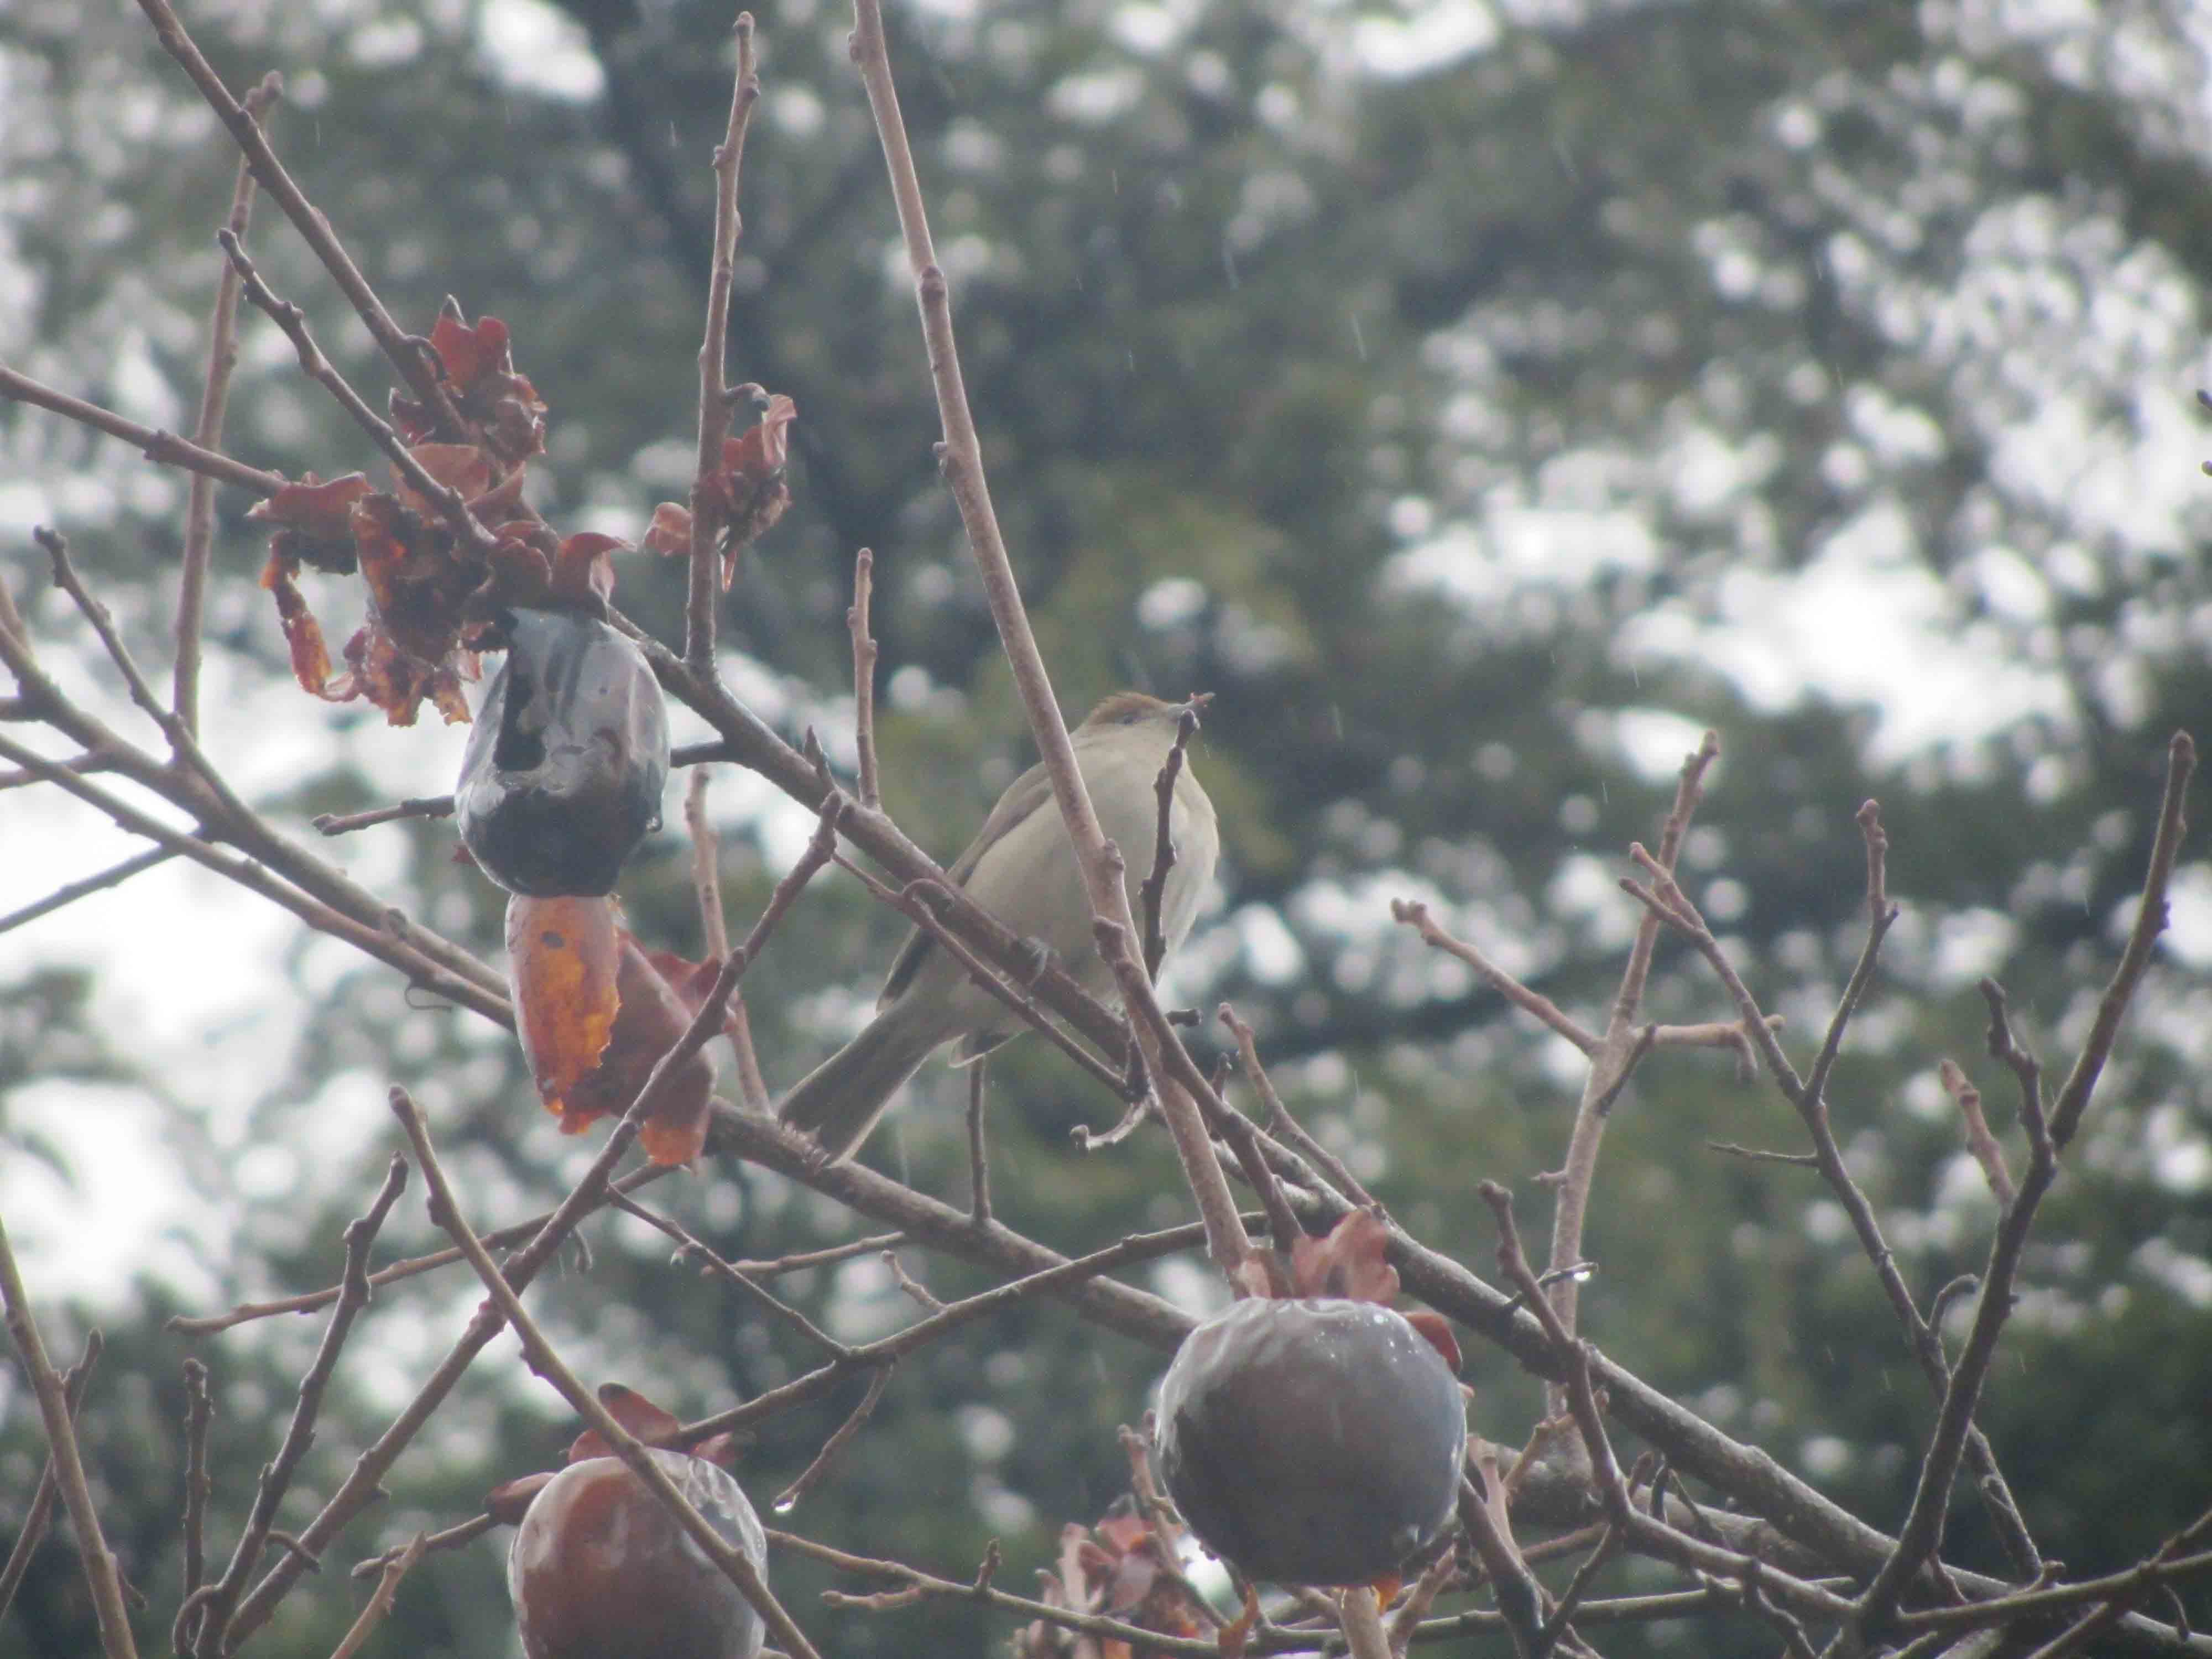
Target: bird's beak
{"x":1196,"y":702}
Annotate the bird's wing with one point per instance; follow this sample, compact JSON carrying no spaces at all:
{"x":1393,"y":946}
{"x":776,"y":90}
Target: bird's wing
{"x":1028,"y":793}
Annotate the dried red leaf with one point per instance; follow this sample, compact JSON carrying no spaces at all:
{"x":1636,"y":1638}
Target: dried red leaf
{"x":468,"y":352}
{"x":313,"y":521}
{"x":564,"y":965}
{"x":749,"y":485}
{"x":464,"y":467}
{"x":1117,"y":1567}
{"x":501,"y":407}
{"x":582,"y":567}
{"x":644,"y":1419}
{"x":669,"y":532}
{"x":1349,"y":1263}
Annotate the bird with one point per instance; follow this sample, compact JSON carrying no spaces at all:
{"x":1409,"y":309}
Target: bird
{"x":1021,"y":867}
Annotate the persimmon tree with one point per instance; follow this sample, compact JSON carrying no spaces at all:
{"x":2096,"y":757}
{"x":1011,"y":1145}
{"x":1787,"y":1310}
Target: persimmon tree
{"x":620,"y":1035}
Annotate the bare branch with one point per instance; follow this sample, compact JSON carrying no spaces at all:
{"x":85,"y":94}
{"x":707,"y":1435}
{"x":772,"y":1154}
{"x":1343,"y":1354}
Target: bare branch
{"x":37,"y":1516}
{"x":1616,"y":1052}
{"x":114,"y":876}
{"x":1919,"y":1538}
{"x":449,"y":502}
{"x":732,"y":1561}
{"x":979,"y":1152}
{"x":199,"y":1486}
{"x":204,"y":1618}
{"x":380,"y":1603}
{"x":423,"y":806}
{"x":67,"y":1463}
{"x":2150,"y":921}
{"x":206,"y":432}
{"x":864,"y":678}
{"x":810,"y":1476}
{"x":1979,"y":1142}
{"x":520,"y":1232}
{"x":961,"y":459}
{"x":1413,"y":914}
{"x":314,"y":229}
{"x":707,"y":524}
{"x":1153,"y":889}
{"x":165,"y":447}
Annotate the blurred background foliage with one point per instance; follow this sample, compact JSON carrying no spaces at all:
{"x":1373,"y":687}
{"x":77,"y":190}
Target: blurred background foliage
{"x":1482,"y":397}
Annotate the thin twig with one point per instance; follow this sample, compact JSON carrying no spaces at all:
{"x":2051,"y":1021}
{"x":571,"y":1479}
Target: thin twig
{"x":156,"y":445}
{"x":408,"y":951}
{"x":1617,"y":1050}
{"x":1361,"y":1618}
{"x":690,"y":1248}
{"x":707,"y":511}
{"x":810,"y":1476}
{"x":979,"y":1152}
{"x":1980,"y":1142}
{"x":451,"y":1538}
{"x":706,"y":866}
{"x":206,"y":432}
{"x":547,"y":1363}
{"x":101,"y":1571}
{"x":1665,"y":898}
{"x":2150,"y":921}
{"x":103,"y":625}
{"x":714,"y":928}
{"x":1279,"y":1121}
{"x":425,"y":806}
{"x":1413,"y":914}
{"x":199,"y":1486}
{"x":380,"y":1603}
{"x":36,"y":1518}
{"x":864,"y":678}
{"x":1152,"y":890}
{"x":519,"y":1232}
{"x":70,"y":892}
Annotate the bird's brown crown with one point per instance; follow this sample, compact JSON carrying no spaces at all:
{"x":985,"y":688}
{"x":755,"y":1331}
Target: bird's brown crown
{"x":1126,"y":708}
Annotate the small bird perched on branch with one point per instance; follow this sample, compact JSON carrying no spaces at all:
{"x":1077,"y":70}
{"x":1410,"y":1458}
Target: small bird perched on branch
{"x":1021,"y":867}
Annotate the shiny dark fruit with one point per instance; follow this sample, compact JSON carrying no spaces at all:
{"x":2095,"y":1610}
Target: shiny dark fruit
{"x":563,"y":772}
{"x":600,"y":1570}
{"x":1314,"y":1441}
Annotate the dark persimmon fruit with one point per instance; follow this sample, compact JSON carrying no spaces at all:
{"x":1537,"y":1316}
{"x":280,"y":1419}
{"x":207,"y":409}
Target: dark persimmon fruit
{"x":1312,"y":1441}
{"x":563,"y":772}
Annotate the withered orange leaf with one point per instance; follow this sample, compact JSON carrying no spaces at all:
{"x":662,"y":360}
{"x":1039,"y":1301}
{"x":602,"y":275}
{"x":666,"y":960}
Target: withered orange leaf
{"x":303,"y":634}
{"x":563,"y":967}
{"x":651,"y":1018}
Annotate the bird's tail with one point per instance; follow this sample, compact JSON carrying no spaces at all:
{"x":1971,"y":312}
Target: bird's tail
{"x":839,"y":1102}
